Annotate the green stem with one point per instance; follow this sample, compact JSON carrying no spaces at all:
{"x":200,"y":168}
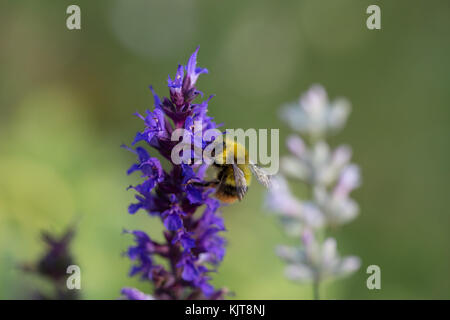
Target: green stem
{"x":316,"y":283}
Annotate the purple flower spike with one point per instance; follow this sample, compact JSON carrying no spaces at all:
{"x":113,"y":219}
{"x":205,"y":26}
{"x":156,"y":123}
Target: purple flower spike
{"x":192,"y":243}
{"x":52,"y":267}
{"x":330,"y":178}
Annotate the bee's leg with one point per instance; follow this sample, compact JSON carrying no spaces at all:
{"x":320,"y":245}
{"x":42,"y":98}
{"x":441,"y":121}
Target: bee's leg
{"x":205,"y":184}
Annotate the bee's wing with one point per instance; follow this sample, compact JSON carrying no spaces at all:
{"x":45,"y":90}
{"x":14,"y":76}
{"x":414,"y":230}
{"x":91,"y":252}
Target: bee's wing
{"x":260,"y":175}
{"x":241,"y":184}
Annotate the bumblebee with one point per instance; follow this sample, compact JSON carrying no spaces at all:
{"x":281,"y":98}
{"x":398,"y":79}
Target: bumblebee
{"x":234,"y":172}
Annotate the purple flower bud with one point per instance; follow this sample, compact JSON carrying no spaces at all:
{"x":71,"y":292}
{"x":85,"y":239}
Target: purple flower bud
{"x":307,"y":237}
{"x":296,"y":145}
{"x":192,"y":72}
{"x":348,"y":180}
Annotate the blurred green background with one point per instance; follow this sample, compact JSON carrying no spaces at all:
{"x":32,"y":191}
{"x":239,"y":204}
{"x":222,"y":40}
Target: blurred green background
{"x":67,"y":100}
